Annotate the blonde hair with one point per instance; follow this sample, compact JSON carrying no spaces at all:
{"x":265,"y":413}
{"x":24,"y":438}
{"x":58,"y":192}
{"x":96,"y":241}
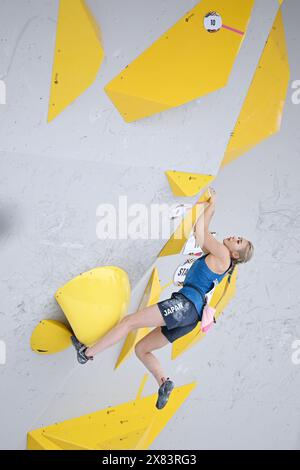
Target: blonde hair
{"x":245,"y":254}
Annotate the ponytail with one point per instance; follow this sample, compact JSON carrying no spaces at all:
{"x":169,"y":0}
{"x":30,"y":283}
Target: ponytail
{"x":245,"y":256}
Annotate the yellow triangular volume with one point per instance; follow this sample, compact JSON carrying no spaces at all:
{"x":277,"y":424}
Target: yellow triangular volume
{"x":124,"y":441}
{"x":142,"y":385}
{"x":49,"y":337}
{"x":262,"y":110}
{"x":151,"y":296}
{"x":186,"y":342}
{"x":187,"y":184}
{"x":37,"y":441}
{"x":133,"y":425}
{"x":65,"y":445}
{"x":177,"y":241}
{"x":187,"y":62}
{"x":78,"y":55}
{"x":135,"y":104}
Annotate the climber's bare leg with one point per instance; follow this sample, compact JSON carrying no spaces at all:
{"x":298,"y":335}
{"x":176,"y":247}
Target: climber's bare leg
{"x":147,"y":317}
{"x":154,"y":340}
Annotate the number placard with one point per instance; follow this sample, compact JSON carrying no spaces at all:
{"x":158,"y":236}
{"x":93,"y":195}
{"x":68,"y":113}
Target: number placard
{"x":213,"y":22}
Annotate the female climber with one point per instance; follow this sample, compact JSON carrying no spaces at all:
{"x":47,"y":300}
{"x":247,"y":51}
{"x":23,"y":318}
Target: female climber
{"x":178,"y":315}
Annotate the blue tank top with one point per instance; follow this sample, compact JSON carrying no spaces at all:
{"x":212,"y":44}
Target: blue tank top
{"x":201,"y":276}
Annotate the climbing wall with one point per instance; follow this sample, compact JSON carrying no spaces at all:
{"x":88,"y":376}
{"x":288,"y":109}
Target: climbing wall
{"x":99,"y":103}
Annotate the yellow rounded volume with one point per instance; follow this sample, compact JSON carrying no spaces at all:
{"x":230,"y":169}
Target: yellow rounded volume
{"x":95,"y":301}
{"x":49,"y":337}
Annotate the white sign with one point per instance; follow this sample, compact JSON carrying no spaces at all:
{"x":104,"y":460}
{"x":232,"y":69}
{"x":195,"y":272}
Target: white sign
{"x":180,"y":210}
{"x":212,"y":22}
{"x":182,"y":271}
{"x":191,"y":247}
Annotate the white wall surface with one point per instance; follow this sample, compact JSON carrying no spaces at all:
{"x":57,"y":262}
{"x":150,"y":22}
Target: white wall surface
{"x":53,"y":177}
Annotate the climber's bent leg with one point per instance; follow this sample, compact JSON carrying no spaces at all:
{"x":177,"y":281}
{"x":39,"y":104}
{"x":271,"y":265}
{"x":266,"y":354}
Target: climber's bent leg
{"x":143,"y":348}
{"x":154,"y":340}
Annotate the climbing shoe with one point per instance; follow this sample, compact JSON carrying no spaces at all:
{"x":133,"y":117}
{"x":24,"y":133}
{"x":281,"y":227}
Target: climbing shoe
{"x":80,"y":348}
{"x":163,"y":393}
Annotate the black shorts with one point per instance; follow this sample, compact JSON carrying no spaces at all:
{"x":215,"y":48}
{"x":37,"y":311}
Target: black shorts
{"x":180,"y":315}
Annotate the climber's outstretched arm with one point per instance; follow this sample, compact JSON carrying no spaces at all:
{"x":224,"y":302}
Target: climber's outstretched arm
{"x":215,"y":247}
{"x":201,"y":228}
{"x":202,"y":234}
